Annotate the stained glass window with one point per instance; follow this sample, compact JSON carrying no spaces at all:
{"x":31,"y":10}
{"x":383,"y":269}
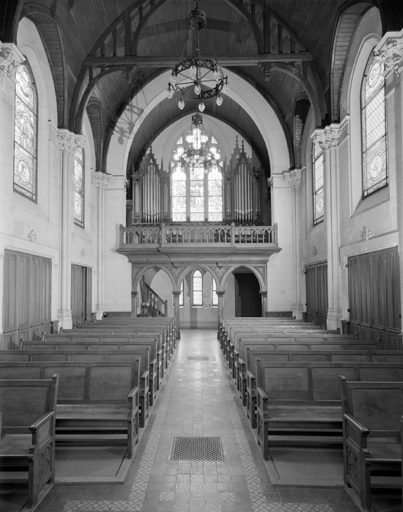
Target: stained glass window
{"x":214,"y":292}
{"x":196,"y":178}
{"x":79,"y":187}
{"x":197,"y":288}
{"x":25,"y":133}
{"x":317,"y":184}
{"x":373,"y":124}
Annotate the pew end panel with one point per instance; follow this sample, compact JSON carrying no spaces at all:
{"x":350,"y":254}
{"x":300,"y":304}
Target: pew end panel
{"x":372,"y":436}
{"x":27,"y":444}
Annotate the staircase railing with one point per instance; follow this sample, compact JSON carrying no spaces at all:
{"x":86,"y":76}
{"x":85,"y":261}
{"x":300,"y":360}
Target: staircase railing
{"x":151,"y":303}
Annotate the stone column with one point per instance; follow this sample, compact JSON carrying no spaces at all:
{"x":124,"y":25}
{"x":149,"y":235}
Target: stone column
{"x":263,"y":296}
{"x":390,"y":50}
{"x":220,"y":296}
{"x":293,"y":178}
{"x":328,"y":139}
{"x":134,"y":303}
{"x":101,"y":181}
{"x":67,"y":142}
{"x":176,"y":296}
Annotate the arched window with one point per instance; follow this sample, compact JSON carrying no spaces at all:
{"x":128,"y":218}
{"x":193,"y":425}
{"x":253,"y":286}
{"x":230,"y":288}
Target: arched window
{"x":373,"y":127}
{"x":317,"y":184}
{"x":214,"y":298}
{"x":196,"y":177}
{"x":25,"y":133}
{"x":79,"y":187}
{"x":197,"y":288}
{"x":182,"y":295}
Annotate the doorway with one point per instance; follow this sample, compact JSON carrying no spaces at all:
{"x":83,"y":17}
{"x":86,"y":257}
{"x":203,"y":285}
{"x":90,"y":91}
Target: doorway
{"x":247,"y":294}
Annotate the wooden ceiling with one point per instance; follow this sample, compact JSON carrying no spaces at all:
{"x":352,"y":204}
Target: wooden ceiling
{"x":104,"y":52}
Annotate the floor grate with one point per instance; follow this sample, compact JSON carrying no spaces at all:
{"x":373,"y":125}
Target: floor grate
{"x":198,"y":358}
{"x":197,"y":448}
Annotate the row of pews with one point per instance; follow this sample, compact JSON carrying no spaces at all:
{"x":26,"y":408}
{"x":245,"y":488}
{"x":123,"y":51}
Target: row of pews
{"x":304,"y":386}
{"x":89,"y":386}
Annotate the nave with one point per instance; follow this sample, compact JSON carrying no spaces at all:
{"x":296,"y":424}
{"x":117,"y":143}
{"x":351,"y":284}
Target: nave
{"x":198,"y":400}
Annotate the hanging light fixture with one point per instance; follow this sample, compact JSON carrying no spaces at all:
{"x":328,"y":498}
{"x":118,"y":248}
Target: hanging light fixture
{"x":196,"y":78}
{"x":195,"y":150}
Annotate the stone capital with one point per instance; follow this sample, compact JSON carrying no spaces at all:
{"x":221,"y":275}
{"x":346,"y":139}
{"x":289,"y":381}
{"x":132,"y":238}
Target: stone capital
{"x":293,"y":177}
{"x":328,"y":137}
{"x":69,"y":141}
{"x":10,"y":58}
{"x":390,"y":51}
{"x":101,"y":179}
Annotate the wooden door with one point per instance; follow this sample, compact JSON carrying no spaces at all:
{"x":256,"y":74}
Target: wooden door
{"x":316,"y":293}
{"x":81,"y":292}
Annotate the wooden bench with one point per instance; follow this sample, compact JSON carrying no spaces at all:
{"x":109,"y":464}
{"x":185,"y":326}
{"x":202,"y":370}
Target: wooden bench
{"x":299,"y":403}
{"x":155,"y":366}
{"x":27,"y":428}
{"x":98,"y":402}
{"x":238,"y":366}
{"x":372,"y":435}
{"x":247,"y":378}
{"x":142,"y":353}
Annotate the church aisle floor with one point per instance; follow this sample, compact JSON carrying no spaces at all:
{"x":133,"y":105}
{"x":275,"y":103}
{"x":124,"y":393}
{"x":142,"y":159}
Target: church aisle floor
{"x":198,"y":400}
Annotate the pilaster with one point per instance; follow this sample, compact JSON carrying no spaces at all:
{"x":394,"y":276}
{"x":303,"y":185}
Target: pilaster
{"x":10,"y":59}
{"x":67,"y":143}
{"x":390,"y":50}
{"x":101,"y":181}
{"x":328,"y":139}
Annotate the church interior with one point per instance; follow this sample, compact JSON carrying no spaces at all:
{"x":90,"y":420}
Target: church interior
{"x":202,"y":215}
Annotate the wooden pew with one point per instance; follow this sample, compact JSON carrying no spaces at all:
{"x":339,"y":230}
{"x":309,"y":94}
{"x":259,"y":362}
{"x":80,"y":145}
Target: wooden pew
{"x":27,"y":428}
{"x":247,"y":379}
{"x":305,"y":343}
{"x":372,"y":434}
{"x":300,"y":403}
{"x":155,"y":371}
{"x":98,"y":402}
{"x":142,"y":353}
{"x":164,"y":353}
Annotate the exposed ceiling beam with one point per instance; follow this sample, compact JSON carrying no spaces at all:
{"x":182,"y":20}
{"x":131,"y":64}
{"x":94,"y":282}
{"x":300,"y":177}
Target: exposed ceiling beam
{"x":169,"y":61}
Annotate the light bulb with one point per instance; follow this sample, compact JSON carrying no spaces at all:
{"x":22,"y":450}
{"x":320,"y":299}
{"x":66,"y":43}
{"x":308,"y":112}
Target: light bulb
{"x":219,"y":100}
{"x":197,"y":89}
{"x":202,"y":106}
{"x":170,"y":92}
{"x":181,"y":104}
{"x":193,"y":71}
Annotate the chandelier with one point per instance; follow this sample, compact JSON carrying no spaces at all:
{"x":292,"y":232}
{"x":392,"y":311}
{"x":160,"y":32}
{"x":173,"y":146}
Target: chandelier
{"x":195,"y":152}
{"x":196,"y":78}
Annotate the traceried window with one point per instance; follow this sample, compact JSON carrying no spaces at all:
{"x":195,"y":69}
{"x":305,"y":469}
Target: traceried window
{"x":25,"y":133}
{"x":196,"y":177}
{"x":79,"y":187}
{"x":317,"y":184}
{"x":197,"y":288}
{"x":373,"y":125}
{"x":214,"y":293}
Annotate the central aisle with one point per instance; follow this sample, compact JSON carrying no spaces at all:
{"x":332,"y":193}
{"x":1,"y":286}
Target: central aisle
{"x":199,"y":400}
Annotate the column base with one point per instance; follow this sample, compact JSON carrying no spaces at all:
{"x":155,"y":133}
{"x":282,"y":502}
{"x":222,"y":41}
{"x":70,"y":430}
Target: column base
{"x":65,"y":319}
{"x":333,"y":320}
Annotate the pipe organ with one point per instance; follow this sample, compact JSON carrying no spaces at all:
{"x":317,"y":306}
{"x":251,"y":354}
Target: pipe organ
{"x":244,"y":191}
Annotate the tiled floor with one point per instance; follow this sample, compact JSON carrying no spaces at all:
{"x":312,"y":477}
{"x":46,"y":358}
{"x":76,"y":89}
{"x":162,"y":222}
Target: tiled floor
{"x":198,"y":399}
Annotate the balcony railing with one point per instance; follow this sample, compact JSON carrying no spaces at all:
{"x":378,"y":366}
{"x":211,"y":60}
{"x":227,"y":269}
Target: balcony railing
{"x":180,"y":234}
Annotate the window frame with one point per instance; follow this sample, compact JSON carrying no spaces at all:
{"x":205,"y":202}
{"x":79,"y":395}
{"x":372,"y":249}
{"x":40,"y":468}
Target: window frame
{"x":316,"y":191}
{"x":77,"y":193}
{"x":195,"y":275}
{"x":32,"y":195}
{"x":367,"y":149}
{"x":214,"y":296}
